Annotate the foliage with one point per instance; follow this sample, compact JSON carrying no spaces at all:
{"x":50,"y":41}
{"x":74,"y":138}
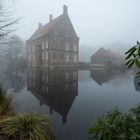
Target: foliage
{"x":133,"y":56}
{"x":117,"y":126}
{"x":27,"y":126}
{"x":5,"y":104}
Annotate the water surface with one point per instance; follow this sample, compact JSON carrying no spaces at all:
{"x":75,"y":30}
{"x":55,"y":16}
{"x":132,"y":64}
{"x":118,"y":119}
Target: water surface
{"x":73,"y":99}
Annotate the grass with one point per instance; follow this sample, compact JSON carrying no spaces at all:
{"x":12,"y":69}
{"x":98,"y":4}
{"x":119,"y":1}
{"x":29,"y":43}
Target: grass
{"x":6,"y":108}
{"x":27,"y":126}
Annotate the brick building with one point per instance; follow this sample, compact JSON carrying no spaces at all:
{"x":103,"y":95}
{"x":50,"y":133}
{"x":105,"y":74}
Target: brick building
{"x":55,"y":44}
{"x":103,"y":57}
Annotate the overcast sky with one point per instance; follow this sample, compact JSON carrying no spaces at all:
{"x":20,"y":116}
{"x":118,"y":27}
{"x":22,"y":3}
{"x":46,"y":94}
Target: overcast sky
{"x":97,"y":22}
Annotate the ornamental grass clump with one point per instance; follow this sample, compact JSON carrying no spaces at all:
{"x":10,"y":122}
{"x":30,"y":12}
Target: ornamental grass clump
{"x":6,"y":108}
{"x":27,"y":126}
{"x":117,"y":126}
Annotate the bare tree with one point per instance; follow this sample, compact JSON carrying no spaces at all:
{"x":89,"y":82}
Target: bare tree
{"x":7,"y":23}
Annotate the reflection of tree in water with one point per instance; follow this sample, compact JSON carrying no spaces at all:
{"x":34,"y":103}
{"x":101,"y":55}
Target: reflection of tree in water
{"x":137,"y":82}
{"x":17,"y":82}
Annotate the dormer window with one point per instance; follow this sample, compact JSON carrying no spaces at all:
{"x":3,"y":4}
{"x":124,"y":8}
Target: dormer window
{"x":66,"y":46}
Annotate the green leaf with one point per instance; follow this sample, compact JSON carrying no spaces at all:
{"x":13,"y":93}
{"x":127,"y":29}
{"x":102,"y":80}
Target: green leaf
{"x":128,"y":61}
{"x":139,"y":50}
{"x":131,"y":53}
{"x":137,"y":63}
{"x":131,"y":49}
{"x":134,"y":55}
{"x":130,"y":65}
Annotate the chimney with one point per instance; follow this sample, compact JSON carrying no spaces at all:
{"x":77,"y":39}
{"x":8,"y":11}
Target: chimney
{"x":39,"y":25}
{"x":65,"y":9}
{"x":50,"y":18}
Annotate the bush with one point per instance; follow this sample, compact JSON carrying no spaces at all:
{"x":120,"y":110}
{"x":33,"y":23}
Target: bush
{"x":27,"y":126}
{"x":117,"y":126}
{"x":6,"y":108}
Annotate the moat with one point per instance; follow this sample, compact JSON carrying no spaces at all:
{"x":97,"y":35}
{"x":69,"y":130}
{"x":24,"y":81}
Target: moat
{"x":73,"y":98}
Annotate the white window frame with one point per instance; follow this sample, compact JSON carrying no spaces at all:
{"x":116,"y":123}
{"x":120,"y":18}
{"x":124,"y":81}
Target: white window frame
{"x":42,"y":46}
{"x":47,"y":44}
{"x":67,"y":57}
{"x":75,"y":58}
{"x":67,"y":47}
{"x":47,"y":55}
{"x":75,"y":48}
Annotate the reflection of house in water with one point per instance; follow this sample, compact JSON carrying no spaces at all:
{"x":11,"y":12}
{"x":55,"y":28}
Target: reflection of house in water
{"x":106,"y":59}
{"x":55,"y":88}
{"x":103,"y":76}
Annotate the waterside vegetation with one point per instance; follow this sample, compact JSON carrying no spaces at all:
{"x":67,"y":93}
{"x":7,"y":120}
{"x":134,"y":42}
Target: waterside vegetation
{"x":26,"y":126}
{"x":116,"y":125}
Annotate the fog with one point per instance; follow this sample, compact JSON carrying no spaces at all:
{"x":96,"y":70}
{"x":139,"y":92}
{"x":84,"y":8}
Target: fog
{"x":96,"y":22}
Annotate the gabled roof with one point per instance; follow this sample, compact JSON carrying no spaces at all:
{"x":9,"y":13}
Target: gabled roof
{"x":63,"y":18}
{"x":44,"y":30}
{"x":106,"y":53}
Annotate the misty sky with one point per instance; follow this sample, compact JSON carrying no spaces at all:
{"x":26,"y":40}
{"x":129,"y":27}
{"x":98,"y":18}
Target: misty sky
{"x":97,"y":22}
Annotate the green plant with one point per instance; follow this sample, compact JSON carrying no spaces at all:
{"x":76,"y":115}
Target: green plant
{"x":27,"y":126}
{"x":117,"y":126}
{"x":6,"y":108}
{"x":133,"y":56}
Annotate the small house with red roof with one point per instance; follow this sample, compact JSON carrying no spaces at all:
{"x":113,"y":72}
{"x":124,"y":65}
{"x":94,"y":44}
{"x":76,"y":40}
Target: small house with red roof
{"x":103,"y":57}
{"x":55,"y":44}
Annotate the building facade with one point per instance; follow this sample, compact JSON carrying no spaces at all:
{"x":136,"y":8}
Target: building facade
{"x":103,"y":58}
{"x":55,"y":44}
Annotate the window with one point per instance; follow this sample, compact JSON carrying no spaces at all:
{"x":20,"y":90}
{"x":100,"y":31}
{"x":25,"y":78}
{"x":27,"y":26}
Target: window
{"x":74,"y":75}
{"x":43,"y":46}
{"x":42,"y":56}
{"x":43,"y":88}
{"x":33,"y":57}
{"x":66,"y":87}
{"x":74,"y":57}
{"x":61,"y":55}
{"x":66,"y":57}
{"x":47,"y":44}
{"x":66,"y":47}
{"x":54,"y":43}
{"x":29,"y":57}
{"x":54,"y":55}
{"x":55,"y":32}
{"x":75,"y":48}
{"x":29,"y":50}
{"x":46,"y":55}
{"x":74,"y":85}
{"x":33,"y":49}
{"x":66,"y":35}
{"x":47,"y":78}
{"x":66,"y":76}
